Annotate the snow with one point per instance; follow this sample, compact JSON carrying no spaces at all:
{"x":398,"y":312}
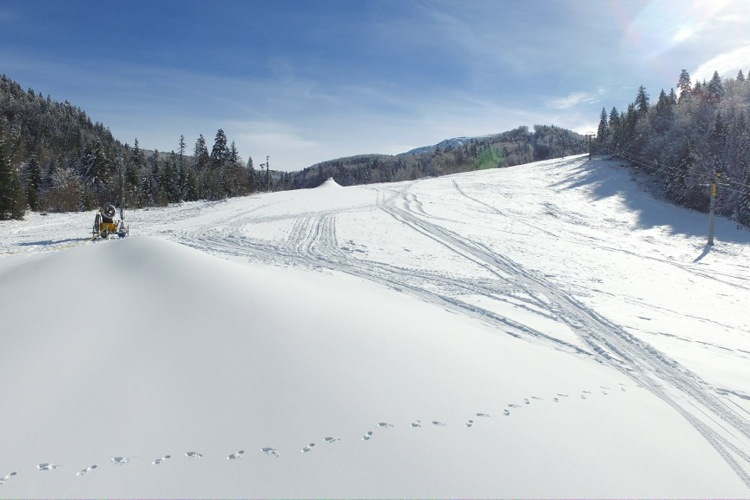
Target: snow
{"x":329,"y":183}
{"x":298,"y":322}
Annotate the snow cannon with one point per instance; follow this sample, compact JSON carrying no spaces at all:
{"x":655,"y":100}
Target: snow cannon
{"x":106,"y":224}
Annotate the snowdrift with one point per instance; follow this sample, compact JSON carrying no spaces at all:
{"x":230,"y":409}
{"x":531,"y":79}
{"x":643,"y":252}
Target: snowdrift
{"x":268,"y":382}
{"x":329,"y":183}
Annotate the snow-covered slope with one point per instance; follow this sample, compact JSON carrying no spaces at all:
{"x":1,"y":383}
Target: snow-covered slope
{"x":541,"y":331}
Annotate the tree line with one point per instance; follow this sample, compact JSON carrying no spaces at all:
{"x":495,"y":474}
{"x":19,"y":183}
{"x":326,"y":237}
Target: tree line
{"x":687,"y":140}
{"x":53,"y":158}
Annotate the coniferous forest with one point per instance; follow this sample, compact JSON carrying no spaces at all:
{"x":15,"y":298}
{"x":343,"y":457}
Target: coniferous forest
{"x":53,"y":158}
{"x":688,"y":140}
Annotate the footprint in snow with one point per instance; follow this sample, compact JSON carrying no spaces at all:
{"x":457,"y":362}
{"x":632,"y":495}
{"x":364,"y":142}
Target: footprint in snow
{"x":483,"y":415}
{"x":537,"y":398}
{"x":308,"y":448}
{"x":367,"y":436}
{"x":470,"y":423}
{"x":160,"y":460}
{"x":417,"y":423}
{"x":506,"y":412}
{"x":513,"y":406}
{"x":5,"y":478}
{"x":438,"y":423}
{"x":193,"y":454}
{"x":555,"y":400}
{"x":331,"y":439}
{"x":119,"y":460}
{"x":270,"y":451}
{"x":85,"y":471}
{"x":385,"y":425}
{"x":236,"y":455}
{"x":526,"y":401}
{"x":563,"y":395}
{"x":48,"y":466}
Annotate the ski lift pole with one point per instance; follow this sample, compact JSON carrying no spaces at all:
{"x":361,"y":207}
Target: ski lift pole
{"x":712,"y":211}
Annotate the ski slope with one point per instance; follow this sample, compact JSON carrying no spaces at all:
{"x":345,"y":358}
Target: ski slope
{"x":546,"y":330}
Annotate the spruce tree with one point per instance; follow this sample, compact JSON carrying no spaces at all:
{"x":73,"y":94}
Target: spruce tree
{"x":252,"y":177}
{"x":33,"y":182}
{"x":641,"y":101}
{"x":684,"y":85}
{"x":715,"y":88}
{"x":743,"y":211}
{"x":220,"y":151}
{"x":602,"y":133}
{"x":200,"y":152}
{"x":5,"y":182}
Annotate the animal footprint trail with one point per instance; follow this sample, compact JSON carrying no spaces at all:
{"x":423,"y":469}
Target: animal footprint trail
{"x":438,"y":423}
{"x":506,"y":412}
{"x":483,"y":415}
{"x":120,"y":460}
{"x":270,"y":451}
{"x":85,"y":471}
{"x":385,"y":425}
{"x":470,"y":423}
{"x":236,"y":455}
{"x":331,"y":439}
{"x":46,"y":466}
{"x":416,"y":424}
{"x":160,"y":460}
{"x":193,"y":454}
{"x":308,"y":448}
{"x":367,"y":436}
{"x":6,"y":477}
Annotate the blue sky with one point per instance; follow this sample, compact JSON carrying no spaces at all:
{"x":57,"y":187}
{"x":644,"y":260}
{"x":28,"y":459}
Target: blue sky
{"x":307,"y":81}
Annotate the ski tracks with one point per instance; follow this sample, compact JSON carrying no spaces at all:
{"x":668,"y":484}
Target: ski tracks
{"x":313,"y":242}
{"x":725,"y":430}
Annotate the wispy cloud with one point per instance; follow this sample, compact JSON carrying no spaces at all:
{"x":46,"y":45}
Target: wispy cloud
{"x":727,"y":64}
{"x":272,"y":135}
{"x":574,"y":99}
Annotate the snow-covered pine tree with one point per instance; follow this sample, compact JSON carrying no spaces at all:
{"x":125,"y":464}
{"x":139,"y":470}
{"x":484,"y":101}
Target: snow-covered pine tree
{"x":641,"y":101}
{"x":715,"y":90}
{"x":602,"y":133}
{"x":252,"y":176}
{"x":743,"y":211}
{"x":684,"y":85}
{"x":33,"y":181}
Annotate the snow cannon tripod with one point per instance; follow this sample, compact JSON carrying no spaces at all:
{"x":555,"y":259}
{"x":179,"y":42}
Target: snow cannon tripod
{"x":106,"y":224}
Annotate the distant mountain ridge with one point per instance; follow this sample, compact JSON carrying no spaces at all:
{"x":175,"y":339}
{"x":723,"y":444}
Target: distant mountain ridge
{"x":447,"y":143}
{"x":459,"y":154}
